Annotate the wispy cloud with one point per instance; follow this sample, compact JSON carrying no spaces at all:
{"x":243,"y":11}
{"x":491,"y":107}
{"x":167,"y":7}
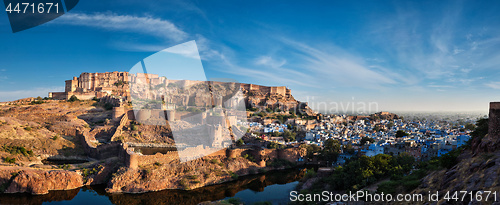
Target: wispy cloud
{"x":494,"y":85}
{"x":269,"y":61}
{"x":272,"y":76}
{"x":440,"y":86}
{"x":437,"y":49}
{"x":334,"y":65}
{"x":110,"y":21}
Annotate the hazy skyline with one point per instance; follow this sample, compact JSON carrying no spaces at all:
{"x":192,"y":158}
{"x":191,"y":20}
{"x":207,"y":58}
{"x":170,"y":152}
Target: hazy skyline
{"x":404,"y":56}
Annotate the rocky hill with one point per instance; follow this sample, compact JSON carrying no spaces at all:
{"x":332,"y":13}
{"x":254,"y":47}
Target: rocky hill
{"x":50,"y":144}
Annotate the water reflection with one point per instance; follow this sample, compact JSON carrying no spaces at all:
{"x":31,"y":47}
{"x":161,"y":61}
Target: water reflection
{"x":97,"y":195}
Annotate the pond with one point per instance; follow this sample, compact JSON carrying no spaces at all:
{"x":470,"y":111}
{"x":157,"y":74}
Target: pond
{"x":273,"y":187}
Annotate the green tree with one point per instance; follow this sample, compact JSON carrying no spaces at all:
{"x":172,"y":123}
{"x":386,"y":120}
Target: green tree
{"x":401,"y":133}
{"x":311,"y":149}
{"x":274,"y":145}
{"x":366,"y":139}
{"x":470,"y":126}
{"x":349,"y":148}
{"x":289,"y":136}
{"x":481,"y":128}
{"x":390,"y":125}
{"x":240,"y":142}
{"x":331,"y":150}
{"x":73,"y":98}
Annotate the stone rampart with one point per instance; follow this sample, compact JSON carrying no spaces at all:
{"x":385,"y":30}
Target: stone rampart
{"x":157,"y":158}
{"x":118,"y":131}
{"x":134,"y":160}
{"x":494,"y":120}
{"x":104,"y":151}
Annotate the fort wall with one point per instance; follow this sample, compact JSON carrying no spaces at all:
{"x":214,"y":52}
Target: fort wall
{"x":494,"y":120}
{"x":133,"y":160}
{"x":113,"y":149}
{"x":157,"y":158}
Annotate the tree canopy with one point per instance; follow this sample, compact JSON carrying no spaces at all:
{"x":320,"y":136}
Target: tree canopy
{"x":401,"y":133}
{"x":366,"y":139}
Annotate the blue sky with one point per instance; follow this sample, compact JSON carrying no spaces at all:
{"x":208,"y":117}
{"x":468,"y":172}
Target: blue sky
{"x":403,"y":55}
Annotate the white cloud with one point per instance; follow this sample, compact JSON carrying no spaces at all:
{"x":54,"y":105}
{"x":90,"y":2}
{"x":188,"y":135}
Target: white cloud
{"x":440,"y":86}
{"x":35,"y":92}
{"x":3,"y":70}
{"x":494,"y":85}
{"x":269,"y":61}
{"x":285,"y":77}
{"x":333,"y":65}
{"x":111,"y":21}
{"x":435,"y":50}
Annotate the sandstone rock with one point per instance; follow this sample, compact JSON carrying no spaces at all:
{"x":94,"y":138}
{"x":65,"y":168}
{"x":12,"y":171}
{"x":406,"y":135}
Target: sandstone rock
{"x":40,"y":182}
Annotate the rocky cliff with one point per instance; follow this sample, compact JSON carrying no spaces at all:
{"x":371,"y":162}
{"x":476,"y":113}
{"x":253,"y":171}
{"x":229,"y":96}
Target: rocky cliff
{"x":40,"y":181}
{"x":175,"y":175}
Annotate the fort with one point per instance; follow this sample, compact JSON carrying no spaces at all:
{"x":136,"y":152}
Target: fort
{"x":150,"y":88}
{"x":90,"y":85}
{"x":119,"y":89}
{"x":127,"y":154}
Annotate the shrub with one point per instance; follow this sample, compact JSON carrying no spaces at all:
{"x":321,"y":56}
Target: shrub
{"x":234,"y":176}
{"x":108,"y":106}
{"x":55,"y":137}
{"x":240,"y":142}
{"x":157,"y":164}
{"x":9,"y":160}
{"x":64,"y":166}
{"x":27,"y":128}
{"x":411,"y":185}
{"x":310,"y":173}
{"x":89,"y":172}
{"x":184,"y":183}
{"x":388,"y":187}
{"x":449,"y":159}
{"x":37,"y":102}
{"x":234,"y":201}
{"x":73,"y":98}
{"x":133,"y":127}
{"x":17,"y":150}
{"x":249,"y":157}
{"x":253,"y":109}
{"x":274,"y":145}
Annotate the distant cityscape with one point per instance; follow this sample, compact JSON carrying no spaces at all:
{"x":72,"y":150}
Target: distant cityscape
{"x":423,"y":138}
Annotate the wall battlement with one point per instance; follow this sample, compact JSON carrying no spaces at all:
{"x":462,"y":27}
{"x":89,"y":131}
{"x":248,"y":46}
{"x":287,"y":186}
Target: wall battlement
{"x":89,"y":85}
